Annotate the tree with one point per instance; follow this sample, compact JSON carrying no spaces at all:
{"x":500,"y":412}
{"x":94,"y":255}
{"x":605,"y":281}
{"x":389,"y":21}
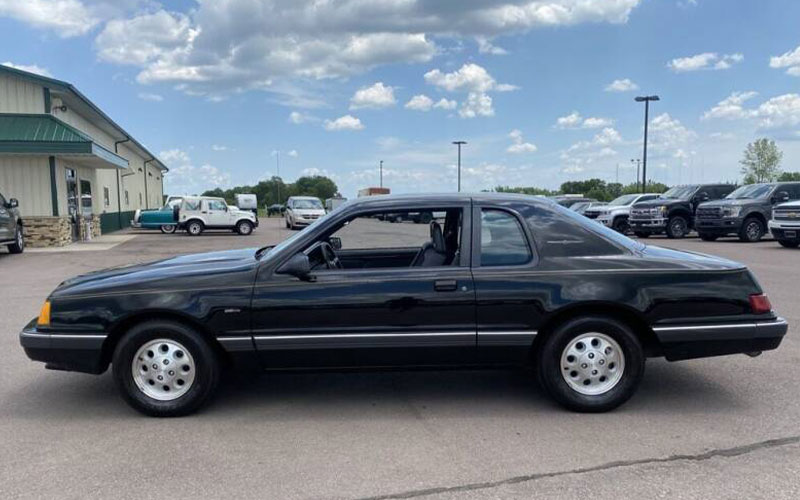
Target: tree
{"x":761,"y":161}
{"x":789,"y":177}
{"x":275,"y":190}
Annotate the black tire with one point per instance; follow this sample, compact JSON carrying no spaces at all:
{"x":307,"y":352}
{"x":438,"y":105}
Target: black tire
{"x":426,"y":217}
{"x":789,"y":243}
{"x":708,"y":236}
{"x":168,"y":228}
{"x":244,"y":227}
{"x":752,"y":230}
{"x":194,"y":228}
{"x":206,"y":365}
{"x":640,"y":234}
{"x":548,"y":361}
{"x":19,"y":241}
{"x":621,"y":225}
{"x":288,"y":226}
{"x":677,"y":227}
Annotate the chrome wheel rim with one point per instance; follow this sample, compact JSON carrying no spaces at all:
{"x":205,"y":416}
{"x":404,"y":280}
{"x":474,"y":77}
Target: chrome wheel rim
{"x":194,"y":228}
{"x":20,"y":239}
{"x":163,"y":369}
{"x":753,"y":231}
{"x":244,"y":228}
{"x":168,"y":228}
{"x":592,"y":364}
{"x":678,"y":227}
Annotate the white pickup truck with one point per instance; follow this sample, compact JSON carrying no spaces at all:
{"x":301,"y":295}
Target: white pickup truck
{"x":785,"y":224}
{"x":198,"y":213}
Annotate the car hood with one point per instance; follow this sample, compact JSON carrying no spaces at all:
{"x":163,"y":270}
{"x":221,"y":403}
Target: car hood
{"x":195,"y":270}
{"x":610,"y":208}
{"x":309,"y":211}
{"x":731,"y":202}
{"x":789,"y":204}
{"x":658,"y":202}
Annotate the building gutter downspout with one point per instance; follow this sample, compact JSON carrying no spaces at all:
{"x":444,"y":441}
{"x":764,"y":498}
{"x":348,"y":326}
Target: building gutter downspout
{"x":119,"y":187}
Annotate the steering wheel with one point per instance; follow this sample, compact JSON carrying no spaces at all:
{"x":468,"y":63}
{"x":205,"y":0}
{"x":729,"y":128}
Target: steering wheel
{"x":329,"y":254}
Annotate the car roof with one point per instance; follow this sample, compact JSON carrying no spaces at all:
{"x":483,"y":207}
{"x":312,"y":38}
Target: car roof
{"x":401,"y":199}
{"x":303,"y":198}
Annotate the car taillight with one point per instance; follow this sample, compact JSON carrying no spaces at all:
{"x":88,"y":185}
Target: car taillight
{"x":759,"y":303}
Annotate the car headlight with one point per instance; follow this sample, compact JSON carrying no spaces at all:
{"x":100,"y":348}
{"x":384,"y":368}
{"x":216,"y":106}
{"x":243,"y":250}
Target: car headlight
{"x":731,"y":211}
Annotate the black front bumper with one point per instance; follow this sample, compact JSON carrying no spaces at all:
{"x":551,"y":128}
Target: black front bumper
{"x":718,"y":226}
{"x":650,"y":226}
{"x":781,"y":233}
{"x":688,"y":341}
{"x":78,"y":352}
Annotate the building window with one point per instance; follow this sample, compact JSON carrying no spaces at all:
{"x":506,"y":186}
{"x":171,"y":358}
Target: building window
{"x":106,"y":197}
{"x":127,"y":199}
{"x":86,"y":198}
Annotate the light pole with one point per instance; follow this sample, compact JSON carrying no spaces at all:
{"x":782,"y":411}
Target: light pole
{"x":638,"y":163}
{"x":646,"y":100}
{"x":381,"y":172}
{"x":459,"y":144}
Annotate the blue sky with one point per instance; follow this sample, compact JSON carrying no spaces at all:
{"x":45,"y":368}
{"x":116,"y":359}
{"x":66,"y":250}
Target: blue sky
{"x":217,"y":87}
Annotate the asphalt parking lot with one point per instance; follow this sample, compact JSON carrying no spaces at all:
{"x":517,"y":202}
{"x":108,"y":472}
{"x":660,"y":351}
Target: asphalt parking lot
{"x":724,"y":427}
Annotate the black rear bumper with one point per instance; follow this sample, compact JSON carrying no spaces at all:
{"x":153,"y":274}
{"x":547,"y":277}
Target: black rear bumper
{"x":76,"y":352}
{"x":718,"y":339}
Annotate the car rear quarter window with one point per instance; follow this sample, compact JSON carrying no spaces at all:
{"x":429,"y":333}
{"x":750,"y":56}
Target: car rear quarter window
{"x":559,"y":233}
{"x":503,"y":242}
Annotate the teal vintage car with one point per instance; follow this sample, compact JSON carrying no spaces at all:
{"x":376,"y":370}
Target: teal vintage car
{"x":162,"y":218}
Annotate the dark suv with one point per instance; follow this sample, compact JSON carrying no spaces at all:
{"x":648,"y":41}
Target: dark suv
{"x":745,"y":212}
{"x":11,"y":226}
{"x":673,"y":212}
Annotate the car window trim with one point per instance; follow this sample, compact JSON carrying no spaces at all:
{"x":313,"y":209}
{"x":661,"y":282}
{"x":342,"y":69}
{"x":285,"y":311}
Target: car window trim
{"x":477,"y":208}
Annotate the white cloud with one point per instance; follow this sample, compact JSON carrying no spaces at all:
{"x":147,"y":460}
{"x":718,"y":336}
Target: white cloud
{"x":147,"y":96}
{"x":477,"y":104}
{"x":469,"y":78}
{"x":293,"y":153}
{"x":485,"y":46}
{"x":706,"y":60}
{"x":420,"y":102}
{"x":730,"y":107}
{"x":297,"y":118}
{"x":789,"y":60}
{"x":30,"y":68}
{"x":623,"y":85}
{"x":518,"y":144}
{"x":375,"y":96}
{"x":778,"y":112}
{"x":149,"y":38}
{"x":173,"y":157}
{"x":667,"y":133}
{"x":575,"y":120}
{"x":219,"y":147}
{"x":65,"y":17}
{"x":346,"y":122}
{"x":186,"y":178}
{"x":445,"y":104}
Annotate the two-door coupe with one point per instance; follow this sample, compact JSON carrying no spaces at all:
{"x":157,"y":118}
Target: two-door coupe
{"x":493,"y":280}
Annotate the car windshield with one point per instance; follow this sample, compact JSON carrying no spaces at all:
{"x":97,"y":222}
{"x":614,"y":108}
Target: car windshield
{"x":307,"y":204}
{"x":623,"y":200}
{"x":751,"y":191}
{"x":680,"y":192}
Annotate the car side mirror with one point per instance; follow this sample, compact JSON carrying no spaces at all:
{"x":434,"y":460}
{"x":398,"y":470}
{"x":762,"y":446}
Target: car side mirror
{"x":780,"y":197}
{"x":335,"y":242}
{"x":13,"y":203}
{"x":703,"y":196}
{"x":297,"y":266}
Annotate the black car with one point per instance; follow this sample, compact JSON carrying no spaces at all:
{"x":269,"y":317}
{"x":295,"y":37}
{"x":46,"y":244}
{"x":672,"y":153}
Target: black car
{"x":494,"y":280}
{"x":673,"y":212}
{"x":275,"y":209}
{"x":745,"y":212}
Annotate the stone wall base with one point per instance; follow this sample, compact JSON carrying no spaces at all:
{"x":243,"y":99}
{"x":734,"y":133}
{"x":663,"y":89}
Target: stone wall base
{"x":47,"y":231}
{"x":94,"y":220}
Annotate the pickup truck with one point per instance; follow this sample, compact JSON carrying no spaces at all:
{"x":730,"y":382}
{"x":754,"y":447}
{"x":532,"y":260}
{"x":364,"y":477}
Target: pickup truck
{"x":162,"y":218}
{"x":745,"y":212}
{"x":11,"y":233}
{"x":673,"y":212}
{"x":785,"y":224}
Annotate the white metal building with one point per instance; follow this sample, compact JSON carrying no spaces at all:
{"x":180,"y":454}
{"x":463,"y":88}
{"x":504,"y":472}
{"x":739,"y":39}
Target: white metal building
{"x":68,"y":163}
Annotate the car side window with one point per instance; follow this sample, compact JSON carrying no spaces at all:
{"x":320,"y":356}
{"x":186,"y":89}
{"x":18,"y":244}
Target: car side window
{"x":216,"y":205}
{"x":503,"y":242}
{"x":564,"y":235}
{"x":793,"y":190}
{"x":191,"y":205}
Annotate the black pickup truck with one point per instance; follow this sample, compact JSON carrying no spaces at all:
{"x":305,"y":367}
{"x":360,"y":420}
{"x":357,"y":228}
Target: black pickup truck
{"x":745,"y":212}
{"x":11,"y":233}
{"x":673,"y":212}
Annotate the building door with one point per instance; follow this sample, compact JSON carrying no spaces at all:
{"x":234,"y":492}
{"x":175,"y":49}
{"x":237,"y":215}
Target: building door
{"x":72,"y":201}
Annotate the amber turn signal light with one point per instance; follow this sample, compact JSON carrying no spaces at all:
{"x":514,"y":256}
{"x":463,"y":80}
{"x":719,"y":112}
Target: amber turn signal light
{"x":44,"y":314}
{"x":760,"y":304}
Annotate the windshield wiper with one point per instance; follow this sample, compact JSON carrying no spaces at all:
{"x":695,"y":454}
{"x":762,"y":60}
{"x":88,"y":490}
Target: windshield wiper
{"x":261,"y":251}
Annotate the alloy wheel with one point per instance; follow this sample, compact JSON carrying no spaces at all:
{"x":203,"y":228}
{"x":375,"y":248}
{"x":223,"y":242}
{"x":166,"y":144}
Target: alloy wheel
{"x":592,"y":363}
{"x":163,"y":369}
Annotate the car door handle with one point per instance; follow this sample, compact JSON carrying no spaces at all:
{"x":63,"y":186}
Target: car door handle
{"x":445,"y":285}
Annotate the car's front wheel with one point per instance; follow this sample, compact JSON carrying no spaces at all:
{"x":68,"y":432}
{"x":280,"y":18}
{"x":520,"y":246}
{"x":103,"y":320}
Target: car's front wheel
{"x":165,"y":369}
{"x":244,"y":227}
{"x":19,"y":241}
{"x":621,"y":225}
{"x":591,"y":363}
{"x":195,"y":228}
{"x":752,"y":230}
{"x":677,"y":227}
{"x":168,"y":228}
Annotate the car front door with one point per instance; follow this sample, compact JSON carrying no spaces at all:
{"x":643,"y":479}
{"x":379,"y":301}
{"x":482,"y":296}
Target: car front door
{"x":217,"y":213}
{"x":7,"y":226}
{"x":414,"y":315}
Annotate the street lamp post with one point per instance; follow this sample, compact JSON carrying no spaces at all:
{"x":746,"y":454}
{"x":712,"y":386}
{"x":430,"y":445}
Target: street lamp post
{"x":278,"y":173}
{"x":459,"y":144}
{"x":638,"y":164}
{"x":646,"y":100}
{"x":381,"y":173}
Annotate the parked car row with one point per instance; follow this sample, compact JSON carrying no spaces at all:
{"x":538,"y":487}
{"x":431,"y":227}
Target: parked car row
{"x":713,"y":210}
{"x":196,"y":214}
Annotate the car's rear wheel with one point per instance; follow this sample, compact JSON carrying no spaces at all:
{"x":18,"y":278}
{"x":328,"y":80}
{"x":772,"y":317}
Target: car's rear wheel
{"x":708,"y":236}
{"x":19,"y":241}
{"x":591,"y":363}
{"x":195,"y":228}
{"x":752,"y":230}
{"x":168,"y":228}
{"x":789,"y":243}
{"x":677,"y":227}
{"x":165,"y":369}
{"x":244,"y":227}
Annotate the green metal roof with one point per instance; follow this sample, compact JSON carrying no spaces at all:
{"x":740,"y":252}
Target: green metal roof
{"x":46,"y":134}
